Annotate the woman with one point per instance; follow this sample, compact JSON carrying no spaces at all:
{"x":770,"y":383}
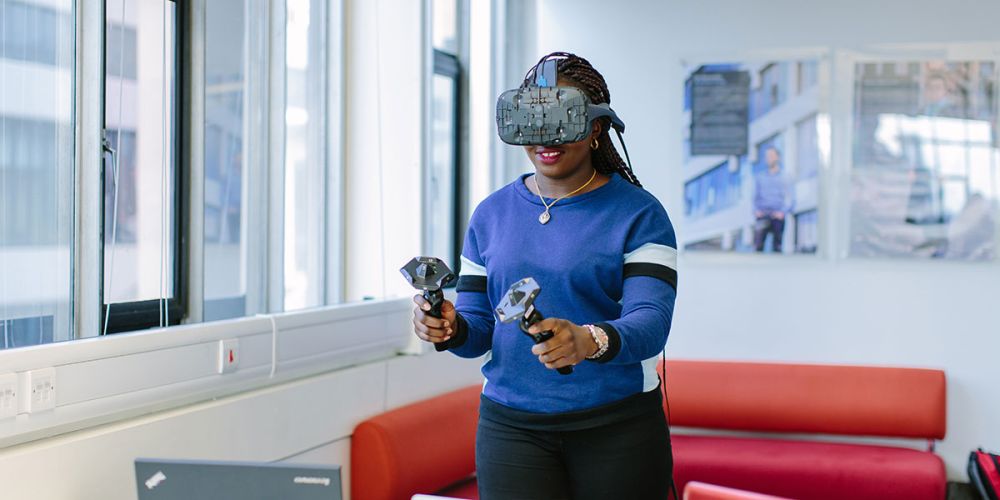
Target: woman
{"x":603,"y":251}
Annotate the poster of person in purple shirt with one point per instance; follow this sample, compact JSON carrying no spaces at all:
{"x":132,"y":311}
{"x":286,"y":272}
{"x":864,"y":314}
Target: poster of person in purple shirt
{"x":762,"y":197}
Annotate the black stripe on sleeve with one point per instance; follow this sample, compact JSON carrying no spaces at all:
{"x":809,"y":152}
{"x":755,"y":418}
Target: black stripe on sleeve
{"x":471,"y":284}
{"x":657,"y":271}
{"x":614,"y":343}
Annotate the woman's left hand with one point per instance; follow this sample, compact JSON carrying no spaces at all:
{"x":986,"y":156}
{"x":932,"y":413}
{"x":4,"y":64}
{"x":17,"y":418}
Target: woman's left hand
{"x":569,"y":345}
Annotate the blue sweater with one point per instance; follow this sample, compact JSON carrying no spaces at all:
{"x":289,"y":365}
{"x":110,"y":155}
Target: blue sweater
{"x":607,"y":257}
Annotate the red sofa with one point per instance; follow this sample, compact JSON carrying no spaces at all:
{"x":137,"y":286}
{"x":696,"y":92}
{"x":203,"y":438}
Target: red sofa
{"x":429,"y":447}
{"x":800,"y":400}
{"x":425,"y":447}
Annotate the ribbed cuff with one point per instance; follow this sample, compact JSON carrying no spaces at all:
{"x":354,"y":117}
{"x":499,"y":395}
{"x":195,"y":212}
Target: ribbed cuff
{"x":614,"y":343}
{"x":461,"y":333}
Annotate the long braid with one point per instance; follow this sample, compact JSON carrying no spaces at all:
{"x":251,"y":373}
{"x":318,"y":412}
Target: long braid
{"x":582,"y":75}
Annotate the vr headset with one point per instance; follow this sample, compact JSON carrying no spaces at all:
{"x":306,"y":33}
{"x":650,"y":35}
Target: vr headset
{"x":544,"y":114}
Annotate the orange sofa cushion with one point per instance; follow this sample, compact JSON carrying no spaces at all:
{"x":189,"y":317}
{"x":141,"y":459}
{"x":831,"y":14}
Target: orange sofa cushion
{"x":852,"y":400}
{"x":419,"y":448}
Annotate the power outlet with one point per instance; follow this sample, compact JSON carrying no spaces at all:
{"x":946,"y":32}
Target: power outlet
{"x":229,"y":355}
{"x":8,"y":395}
{"x":38,"y":390}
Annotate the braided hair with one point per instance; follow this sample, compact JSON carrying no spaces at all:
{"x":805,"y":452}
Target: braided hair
{"x":581,"y":74}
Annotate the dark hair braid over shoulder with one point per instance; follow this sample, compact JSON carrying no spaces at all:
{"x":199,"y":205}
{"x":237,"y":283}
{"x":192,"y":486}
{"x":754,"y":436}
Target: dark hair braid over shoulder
{"x":579,"y":72}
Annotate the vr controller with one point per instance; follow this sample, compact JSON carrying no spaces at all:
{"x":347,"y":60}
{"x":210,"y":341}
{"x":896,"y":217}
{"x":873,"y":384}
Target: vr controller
{"x":518,"y":304}
{"x":429,"y":274}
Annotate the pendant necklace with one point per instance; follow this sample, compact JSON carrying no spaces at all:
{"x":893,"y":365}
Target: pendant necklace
{"x":545,"y":216}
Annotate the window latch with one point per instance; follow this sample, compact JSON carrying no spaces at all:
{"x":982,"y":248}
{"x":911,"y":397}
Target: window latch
{"x":106,"y":144}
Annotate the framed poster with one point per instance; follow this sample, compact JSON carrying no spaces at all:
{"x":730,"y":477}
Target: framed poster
{"x":761,"y":196}
{"x":925,"y":176}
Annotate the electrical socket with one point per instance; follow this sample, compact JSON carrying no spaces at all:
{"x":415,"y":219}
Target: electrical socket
{"x":38,"y":390}
{"x":229,"y":355}
{"x":8,"y":395}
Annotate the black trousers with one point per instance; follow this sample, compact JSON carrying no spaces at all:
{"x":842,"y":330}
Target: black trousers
{"x":628,"y":459}
{"x":768,"y":224}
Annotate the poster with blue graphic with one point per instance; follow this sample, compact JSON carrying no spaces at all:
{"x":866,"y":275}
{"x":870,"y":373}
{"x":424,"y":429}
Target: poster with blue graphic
{"x":754,"y":190}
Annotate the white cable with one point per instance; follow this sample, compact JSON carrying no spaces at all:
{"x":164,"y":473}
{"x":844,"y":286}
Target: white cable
{"x":115,"y":157}
{"x":378,"y":135}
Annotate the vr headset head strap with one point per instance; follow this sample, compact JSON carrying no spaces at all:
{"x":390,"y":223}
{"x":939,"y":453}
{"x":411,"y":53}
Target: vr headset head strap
{"x":595,"y":111}
{"x":546,"y":74}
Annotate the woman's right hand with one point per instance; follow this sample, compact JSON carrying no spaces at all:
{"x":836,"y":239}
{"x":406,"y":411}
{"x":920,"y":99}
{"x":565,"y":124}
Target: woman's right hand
{"x":429,"y":328}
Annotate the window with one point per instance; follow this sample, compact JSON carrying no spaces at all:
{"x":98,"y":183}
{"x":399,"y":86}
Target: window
{"x":807,"y":75}
{"x":226,"y":156}
{"x":445,"y":25}
{"x":807,"y":148}
{"x":771,"y":92}
{"x":305,"y":154}
{"x":443,"y":174}
{"x":142,"y":251}
{"x":806,"y":232}
{"x":140,"y":247}
{"x":36,"y":171}
{"x":713,"y":191}
{"x":444,"y":231}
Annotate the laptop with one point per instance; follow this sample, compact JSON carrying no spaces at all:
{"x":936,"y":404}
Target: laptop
{"x":157,"y":479}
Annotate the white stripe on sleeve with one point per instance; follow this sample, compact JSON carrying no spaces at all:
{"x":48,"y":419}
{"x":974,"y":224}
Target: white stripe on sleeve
{"x":470,"y":268}
{"x":652,"y":253}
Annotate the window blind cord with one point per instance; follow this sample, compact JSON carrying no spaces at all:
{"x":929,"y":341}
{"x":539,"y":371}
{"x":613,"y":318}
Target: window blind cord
{"x":114,"y":236}
{"x":381,"y":168}
{"x":116,"y":169}
{"x":164,"y":311}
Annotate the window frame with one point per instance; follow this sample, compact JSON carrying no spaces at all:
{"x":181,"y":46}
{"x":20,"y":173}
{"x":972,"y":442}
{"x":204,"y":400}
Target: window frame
{"x":145,"y":314}
{"x":448,"y":65}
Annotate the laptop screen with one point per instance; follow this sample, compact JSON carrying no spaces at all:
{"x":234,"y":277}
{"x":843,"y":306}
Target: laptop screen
{"x":211,"y":480}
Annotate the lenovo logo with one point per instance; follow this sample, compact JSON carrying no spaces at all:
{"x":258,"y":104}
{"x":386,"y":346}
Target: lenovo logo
{"x":155,"y":480}
{"x":325,"y":481}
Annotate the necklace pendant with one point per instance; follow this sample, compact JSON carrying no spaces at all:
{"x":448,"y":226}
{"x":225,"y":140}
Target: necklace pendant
{"x":544,"y":217}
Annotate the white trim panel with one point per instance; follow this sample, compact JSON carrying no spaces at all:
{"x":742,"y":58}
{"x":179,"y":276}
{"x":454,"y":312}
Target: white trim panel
{"x":122,"y":376}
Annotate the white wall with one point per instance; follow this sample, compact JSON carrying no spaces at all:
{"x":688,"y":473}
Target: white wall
{"x":823,"y":309}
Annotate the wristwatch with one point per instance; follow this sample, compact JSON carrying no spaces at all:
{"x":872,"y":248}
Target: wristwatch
{"x":600,"y":338}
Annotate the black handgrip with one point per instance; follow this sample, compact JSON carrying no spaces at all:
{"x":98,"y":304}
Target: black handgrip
{"x":542,"y":337}
{"x":436,"y":300}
